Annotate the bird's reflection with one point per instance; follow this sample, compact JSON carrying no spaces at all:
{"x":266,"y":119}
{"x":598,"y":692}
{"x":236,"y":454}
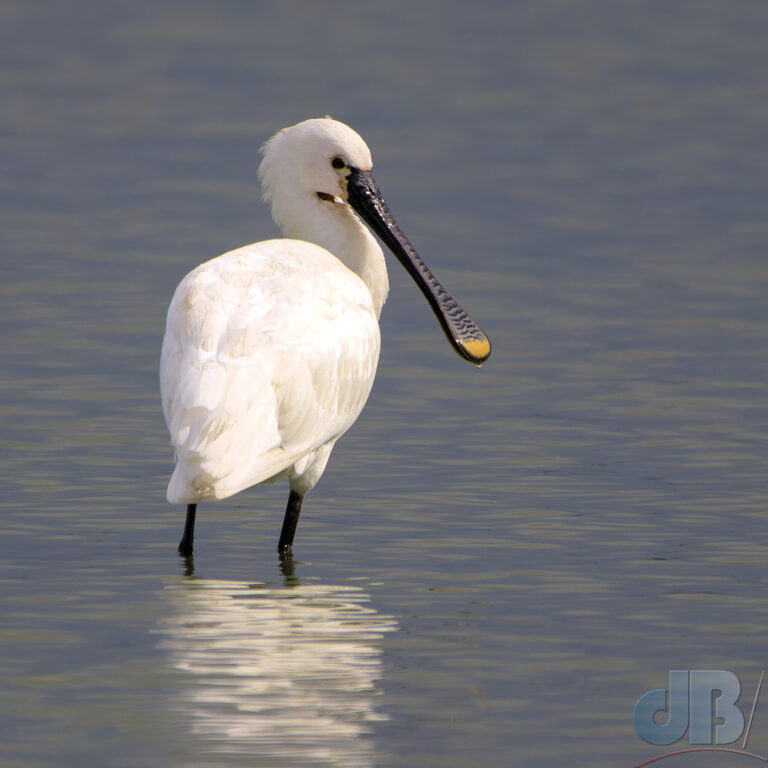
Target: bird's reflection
{"x":277,"y":673}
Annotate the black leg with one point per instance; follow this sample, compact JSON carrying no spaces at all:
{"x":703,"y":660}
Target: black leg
{"x":185,"y":545}
{"x":286,"y":566}
{"x":290,"y":521}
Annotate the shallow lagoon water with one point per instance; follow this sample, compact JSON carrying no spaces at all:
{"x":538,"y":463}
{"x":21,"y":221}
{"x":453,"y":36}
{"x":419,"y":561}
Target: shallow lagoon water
{"x":498,"y":563}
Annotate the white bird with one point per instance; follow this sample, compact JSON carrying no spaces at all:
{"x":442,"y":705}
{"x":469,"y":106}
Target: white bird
{"x":270,"y":350}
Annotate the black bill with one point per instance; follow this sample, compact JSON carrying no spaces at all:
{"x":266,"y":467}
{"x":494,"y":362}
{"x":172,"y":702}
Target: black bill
{"x":466,"y":337}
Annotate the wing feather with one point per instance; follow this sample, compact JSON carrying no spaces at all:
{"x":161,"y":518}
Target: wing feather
{"x":270,"y":352}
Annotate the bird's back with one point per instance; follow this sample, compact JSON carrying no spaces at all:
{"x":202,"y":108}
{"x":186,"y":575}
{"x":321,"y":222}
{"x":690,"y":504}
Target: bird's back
{"x":270,"y":352}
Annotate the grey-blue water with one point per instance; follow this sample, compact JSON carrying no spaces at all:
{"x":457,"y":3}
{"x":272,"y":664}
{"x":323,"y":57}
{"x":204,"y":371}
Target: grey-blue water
{"x":497,"y":563}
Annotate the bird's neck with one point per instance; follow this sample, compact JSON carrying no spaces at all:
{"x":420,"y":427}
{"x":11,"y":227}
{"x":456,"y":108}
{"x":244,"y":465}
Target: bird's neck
{"x":336,"y":228}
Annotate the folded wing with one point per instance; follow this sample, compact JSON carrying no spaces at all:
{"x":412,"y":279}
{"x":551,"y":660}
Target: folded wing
{"x":270,"y":352}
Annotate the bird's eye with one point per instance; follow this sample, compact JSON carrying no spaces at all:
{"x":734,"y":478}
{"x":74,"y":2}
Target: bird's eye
{"x":338,"y":163}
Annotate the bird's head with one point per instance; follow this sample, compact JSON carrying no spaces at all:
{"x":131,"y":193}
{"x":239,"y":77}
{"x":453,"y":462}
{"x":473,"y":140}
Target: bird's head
{"x":314,"y":158}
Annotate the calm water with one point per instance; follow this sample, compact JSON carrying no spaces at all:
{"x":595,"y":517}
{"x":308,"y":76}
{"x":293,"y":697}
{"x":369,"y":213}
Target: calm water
{"x":498,"y":563}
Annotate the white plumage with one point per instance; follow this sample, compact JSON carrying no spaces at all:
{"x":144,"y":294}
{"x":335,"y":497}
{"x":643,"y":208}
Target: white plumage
{"x":270,"y":353}
{"x":270,"y":350}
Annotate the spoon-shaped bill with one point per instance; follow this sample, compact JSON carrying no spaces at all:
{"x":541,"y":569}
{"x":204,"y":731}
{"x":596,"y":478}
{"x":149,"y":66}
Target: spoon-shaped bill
{"x":466,"y":337}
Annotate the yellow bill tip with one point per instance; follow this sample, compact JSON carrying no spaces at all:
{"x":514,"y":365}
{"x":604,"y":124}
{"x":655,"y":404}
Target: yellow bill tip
{"x":476,"y":350}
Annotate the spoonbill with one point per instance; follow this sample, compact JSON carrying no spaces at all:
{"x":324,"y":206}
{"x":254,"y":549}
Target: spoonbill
{"x":270,"y":350}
